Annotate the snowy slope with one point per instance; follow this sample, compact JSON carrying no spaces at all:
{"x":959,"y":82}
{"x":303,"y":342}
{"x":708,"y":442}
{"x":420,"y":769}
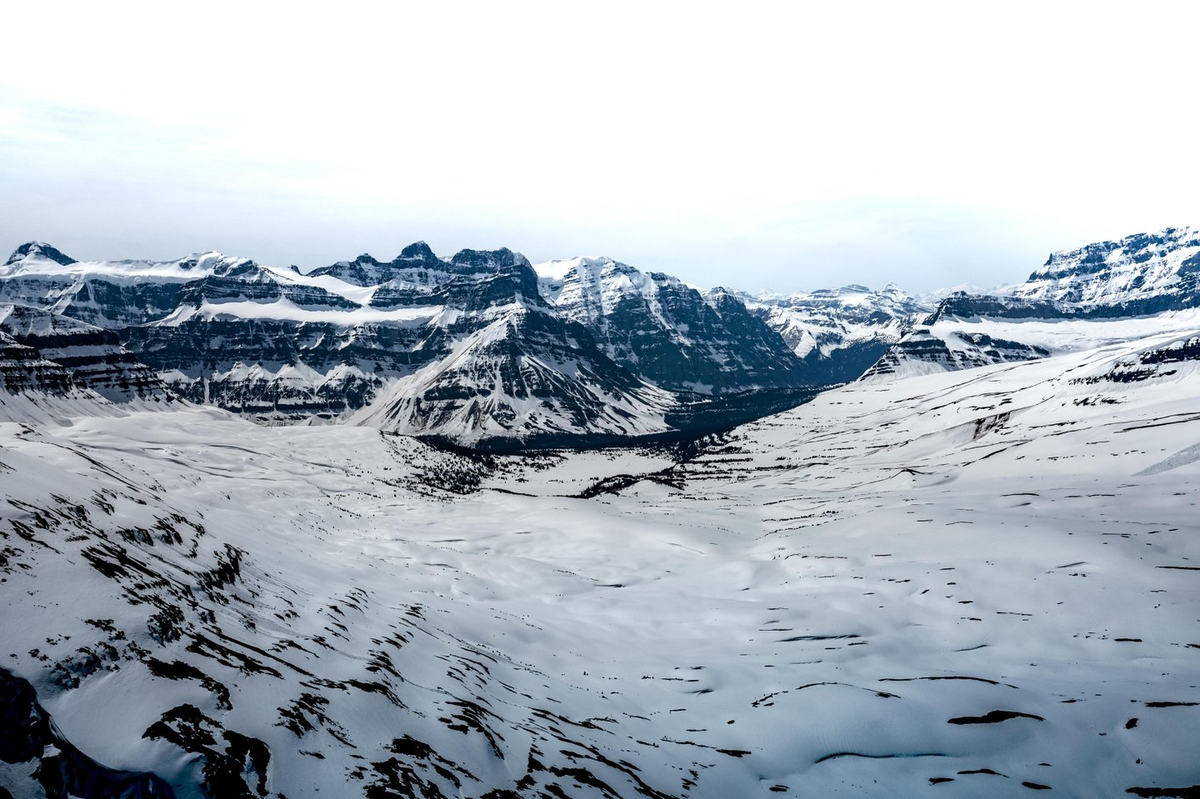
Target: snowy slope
{"x":951,"y":342}
{"x":976,"y":584}
{"x":523,"y":378}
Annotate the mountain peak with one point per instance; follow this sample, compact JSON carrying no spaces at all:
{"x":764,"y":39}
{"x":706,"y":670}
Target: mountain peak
{"x":39,"y":249}
{"x":417,"y":251}
{"x":497,"y":259}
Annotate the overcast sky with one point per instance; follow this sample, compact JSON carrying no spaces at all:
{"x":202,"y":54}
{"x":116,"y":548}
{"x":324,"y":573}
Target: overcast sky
{"x":789,"y":146}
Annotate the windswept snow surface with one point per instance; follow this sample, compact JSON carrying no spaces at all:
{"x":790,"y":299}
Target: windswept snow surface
{"x":360,"y":295}
{"x":973,"y":584}
{"x":189,"y":268}
{"x":284,"y":309}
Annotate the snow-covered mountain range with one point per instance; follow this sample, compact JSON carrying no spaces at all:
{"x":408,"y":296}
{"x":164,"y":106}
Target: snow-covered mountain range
{"x":485,"y":350}
{"x":477,"y":349}
{"x":969,"y":574}
{"x":1107,"y":292}
{"x":839,"y":333}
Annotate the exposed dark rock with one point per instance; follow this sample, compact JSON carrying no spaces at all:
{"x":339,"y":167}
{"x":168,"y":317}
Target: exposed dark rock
{"x":994,"y":717}
{"x":39,"y":249}
{"x":235,"y":765}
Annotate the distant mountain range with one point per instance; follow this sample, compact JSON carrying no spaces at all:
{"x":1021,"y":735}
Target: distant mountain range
{"x":1102,"y":293}
{"x":481,"y":349}
{"x":484,"y":349}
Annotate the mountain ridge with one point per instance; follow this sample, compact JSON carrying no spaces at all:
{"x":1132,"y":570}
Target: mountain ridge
{"x":1080,"y":297}
{"x":279,"y":345}
{"x":397,"y":343}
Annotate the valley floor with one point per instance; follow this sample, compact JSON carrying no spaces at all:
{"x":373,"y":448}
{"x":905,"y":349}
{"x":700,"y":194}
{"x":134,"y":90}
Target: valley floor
{"x":976,"y":584}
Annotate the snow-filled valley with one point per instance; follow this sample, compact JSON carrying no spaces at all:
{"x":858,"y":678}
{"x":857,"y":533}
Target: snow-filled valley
{"x":977,"y":583}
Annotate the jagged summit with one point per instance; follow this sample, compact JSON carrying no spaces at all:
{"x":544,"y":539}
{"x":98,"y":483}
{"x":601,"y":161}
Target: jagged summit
{"x":669,"y":331}
{"x":39,"y":258}
{"x":525,"y":376}
{"x":840,"y":332}
{"x":418,"y":266}
{"x":418,"y":251}
{"x":502,"y":258}
{"x":1138,"y":275}
{"x":39,"y":250}
{"x":552,"y":272}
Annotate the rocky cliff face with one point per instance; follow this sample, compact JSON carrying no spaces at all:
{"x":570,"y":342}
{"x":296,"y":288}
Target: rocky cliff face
{"x":93,"y":357}
{"x":924,"y":352}
{"x":275,"y":369}
{"x":23,"y":369}
{"x":484,"y":347}
{"x":669,"y":332}
{"x":416,"y":265}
